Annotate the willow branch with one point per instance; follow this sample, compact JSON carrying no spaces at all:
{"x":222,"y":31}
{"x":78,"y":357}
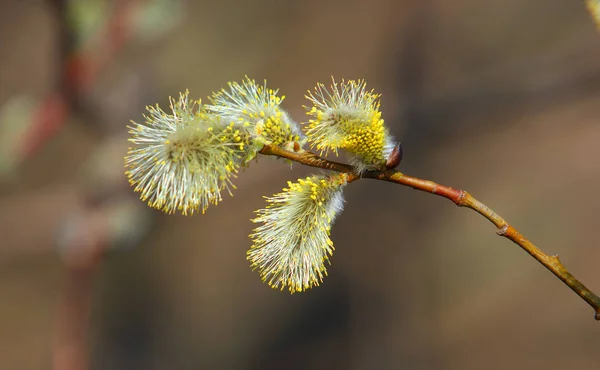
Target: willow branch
{"x":460,"y":198}
{"x":308,"y":159}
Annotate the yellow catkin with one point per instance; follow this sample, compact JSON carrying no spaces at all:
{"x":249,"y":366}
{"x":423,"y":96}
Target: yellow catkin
{"x":292,"y":244}
{"x":348,"y":118}
{"x":182,"y":161}
{"x":257,"y":109}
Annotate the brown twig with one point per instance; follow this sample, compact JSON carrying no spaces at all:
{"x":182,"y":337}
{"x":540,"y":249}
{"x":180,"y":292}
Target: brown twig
{"x":460,"y":198}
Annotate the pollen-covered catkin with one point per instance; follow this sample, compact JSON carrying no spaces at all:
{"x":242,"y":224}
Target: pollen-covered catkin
{"x":348,"y":117}
{"x":183,"y":160}
{"x":292,"y":244}
{"x":256,"y":109}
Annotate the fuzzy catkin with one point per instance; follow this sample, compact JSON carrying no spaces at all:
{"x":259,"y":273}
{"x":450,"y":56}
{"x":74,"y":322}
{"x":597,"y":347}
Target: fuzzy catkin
{"x":292,"y":244}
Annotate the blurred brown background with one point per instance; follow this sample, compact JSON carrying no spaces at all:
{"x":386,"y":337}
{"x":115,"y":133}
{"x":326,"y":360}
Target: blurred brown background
{"x":501,"y":98}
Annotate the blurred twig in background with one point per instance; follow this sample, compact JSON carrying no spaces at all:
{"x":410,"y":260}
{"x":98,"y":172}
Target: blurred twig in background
{"x":90,"y":35}
{"x":83,"y":249}
{"x":80,"y":67}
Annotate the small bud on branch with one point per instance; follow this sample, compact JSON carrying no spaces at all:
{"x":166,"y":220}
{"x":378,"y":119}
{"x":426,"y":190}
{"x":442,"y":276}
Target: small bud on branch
{"x":395,"y":157}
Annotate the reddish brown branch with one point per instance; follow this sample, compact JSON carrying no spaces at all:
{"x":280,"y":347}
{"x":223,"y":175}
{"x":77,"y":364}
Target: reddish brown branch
{"x":464,"y":199}
{"x":306,"y":158}
{"x":460,"y":198}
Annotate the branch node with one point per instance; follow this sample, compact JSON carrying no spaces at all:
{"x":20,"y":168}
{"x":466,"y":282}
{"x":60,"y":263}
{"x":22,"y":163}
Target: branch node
{"x":502,"y":231}
{"x":556,"y":258}
{"x":459,"y":201}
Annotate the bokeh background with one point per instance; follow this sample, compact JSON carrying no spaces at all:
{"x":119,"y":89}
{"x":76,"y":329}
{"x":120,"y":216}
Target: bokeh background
{"x":501,"y":98}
